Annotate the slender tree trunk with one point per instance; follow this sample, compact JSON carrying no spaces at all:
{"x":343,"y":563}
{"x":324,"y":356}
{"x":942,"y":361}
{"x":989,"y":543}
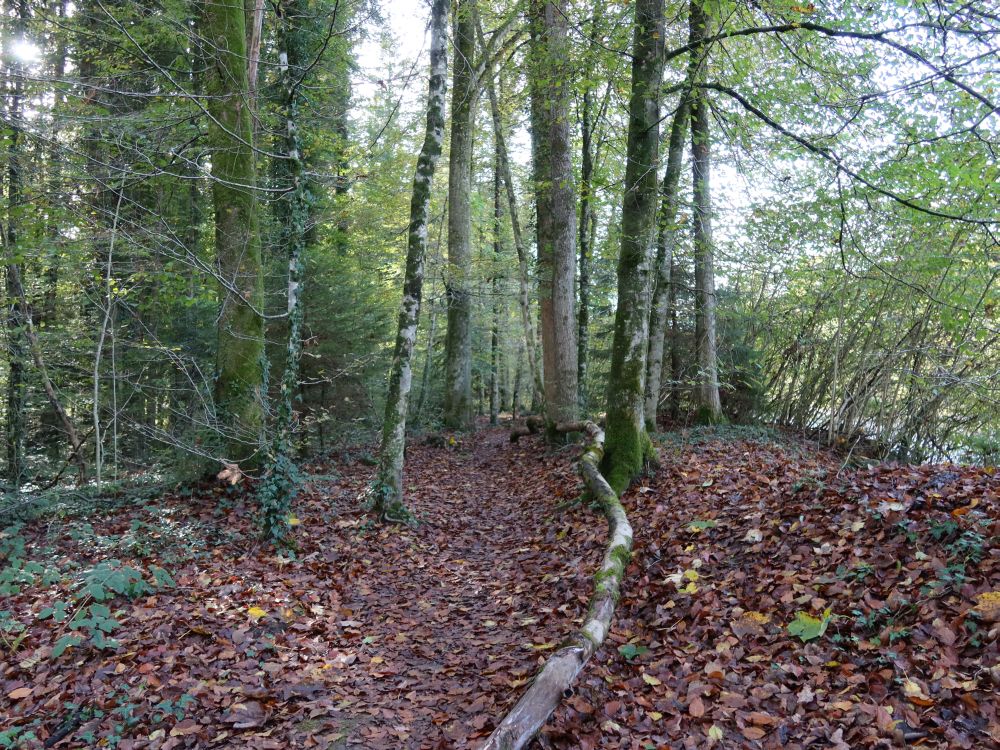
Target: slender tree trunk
{"x":586,"y":186}
{"x":239,"y":386}
{"x":628,"y":444}
{"x":555,"y":198}
{"x":524,"y":295}
{"x":667,"y":231}
{"x":16,"y":324}
{"x":388,"y":489}
{"x":708,"y":403}
{"x":495,"y":292}
{"x":76,"y":445}
{"x":279,"y":492}
{"x":675,"y":352}
{"x":458,"y":340}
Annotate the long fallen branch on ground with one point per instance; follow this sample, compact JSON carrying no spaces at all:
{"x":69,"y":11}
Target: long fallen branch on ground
{"x":517,"y":728}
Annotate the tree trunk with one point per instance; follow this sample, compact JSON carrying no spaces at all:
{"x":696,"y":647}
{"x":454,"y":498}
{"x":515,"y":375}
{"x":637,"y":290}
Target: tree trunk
{"x":495,"y":291}
{"x":667,"y":230}
{"x":278,"y":493}
{"x":555,"y":200}
{"x":239,"y":386}
{"x":388,"y":487}
{"x":629,"y":447}
{"x":458,"y":339}
{"x":15,"y":319}
{"x":524,"y":296}
{"x":708,"y":403}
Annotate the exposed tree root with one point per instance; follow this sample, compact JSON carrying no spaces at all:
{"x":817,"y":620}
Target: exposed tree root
{"x":554,"y":680}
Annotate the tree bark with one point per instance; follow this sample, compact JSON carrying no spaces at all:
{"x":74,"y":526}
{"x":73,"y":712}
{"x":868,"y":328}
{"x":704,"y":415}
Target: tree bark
{"x":524,"y":296}
{"x":555,"y":200}
{"x":239,"y":386}
{"x":495,"y":291}
{"x":629,"y":447}
{"x":388,"y":489}
{"x":709,"y":404}
{"x":295,"y":217}
{"x":458,"y":339}
{"x":15,"y":321}
{"x":667,"y":231}
{"x":522,"y":723}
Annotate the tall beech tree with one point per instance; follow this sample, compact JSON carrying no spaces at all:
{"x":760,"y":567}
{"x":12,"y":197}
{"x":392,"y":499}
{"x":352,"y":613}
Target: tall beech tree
{"x":666,"y":248}
{"x":709,"y":404}
{"x":240,"y":366}
{"x":458,"y":339}
{"x":555,"y":202}
{"x":628,"y":443}
{"x":387,"y":491}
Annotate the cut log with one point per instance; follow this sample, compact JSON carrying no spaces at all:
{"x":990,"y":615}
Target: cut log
{"x":556,"y":676}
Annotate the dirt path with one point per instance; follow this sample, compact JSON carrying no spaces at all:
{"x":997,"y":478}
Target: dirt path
{"x":469,"y":601}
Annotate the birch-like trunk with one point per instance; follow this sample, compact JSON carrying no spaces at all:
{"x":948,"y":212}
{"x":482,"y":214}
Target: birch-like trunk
{"x":708,"y":402}
{"x":555,"y":200}
{"x":388,"y":489}
{"x":666,"y":243}
{"x":458,"y":339}
{"x":628,"y":444}
{"x":239,"y":385}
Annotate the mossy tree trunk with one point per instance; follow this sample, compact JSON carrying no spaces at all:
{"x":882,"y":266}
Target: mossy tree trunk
{"x":555,"y":200}
{"x":709,"y":405}
{"x":666,"y":243}
{"x":628,"y":445}
{"x":458,"y":339}
{"x":388,"y":489}
{"x":240,"y":366}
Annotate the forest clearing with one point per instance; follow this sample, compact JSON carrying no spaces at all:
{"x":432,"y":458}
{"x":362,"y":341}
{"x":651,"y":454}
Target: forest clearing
{"x":499,"y":374}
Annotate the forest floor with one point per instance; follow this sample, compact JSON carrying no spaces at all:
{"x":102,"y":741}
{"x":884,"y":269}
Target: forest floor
{"x":775,"y":599}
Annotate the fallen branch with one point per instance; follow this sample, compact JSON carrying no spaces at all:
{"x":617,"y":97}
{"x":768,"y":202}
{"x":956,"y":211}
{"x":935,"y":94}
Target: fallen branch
{"x":551,"y":684}
{"x":531,"y":426}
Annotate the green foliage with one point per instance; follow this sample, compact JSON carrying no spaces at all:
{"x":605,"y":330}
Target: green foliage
{"x":808,"y":628}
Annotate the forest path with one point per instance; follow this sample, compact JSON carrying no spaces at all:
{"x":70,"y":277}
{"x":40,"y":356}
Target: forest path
{"x":458,"y":612}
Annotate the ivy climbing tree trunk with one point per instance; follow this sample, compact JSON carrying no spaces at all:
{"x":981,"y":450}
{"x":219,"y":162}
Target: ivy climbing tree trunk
{"x":666,"y":244}
{"x":239,"y":385}
{"x":387,"y":492}
{"x":279,"y":489}
{"x":708,"y":403}
{"x":628,"y":444}
{"x":458,"y":339}
{"x":555,"y":200}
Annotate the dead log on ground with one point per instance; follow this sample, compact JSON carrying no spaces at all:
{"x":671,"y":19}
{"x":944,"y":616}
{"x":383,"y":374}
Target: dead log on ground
{"x":522,"y":723}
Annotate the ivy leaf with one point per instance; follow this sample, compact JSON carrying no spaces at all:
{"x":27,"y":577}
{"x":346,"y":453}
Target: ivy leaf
{"x":809,"y":628}
{"x":631,"y":651}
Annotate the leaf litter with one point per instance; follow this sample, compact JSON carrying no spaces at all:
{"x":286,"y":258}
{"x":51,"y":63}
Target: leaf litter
{"x":773,"y":601}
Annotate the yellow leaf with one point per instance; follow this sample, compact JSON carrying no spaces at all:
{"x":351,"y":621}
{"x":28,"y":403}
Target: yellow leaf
{"x":690,"y":588}
{"x":650,"y":680}
{"x":655,"y":715}
{"x":691,"y":575}
{"x":293,"y":521}
{"x":256,"y":612}
{"x":715,"y":733}
{"x":377,"y":660}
